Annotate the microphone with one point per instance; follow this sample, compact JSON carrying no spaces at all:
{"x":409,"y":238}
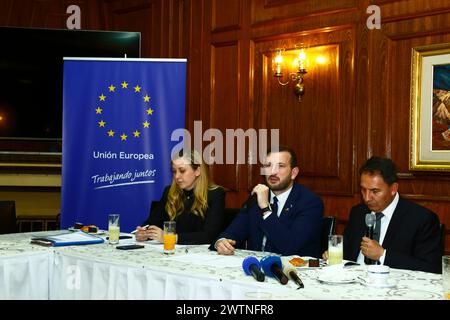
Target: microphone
{"x":292,"y":274}
{"x":252,"y":267}
{"x":251,"y":201}
{"x":370,"y":222}
{"x":272,"y":268}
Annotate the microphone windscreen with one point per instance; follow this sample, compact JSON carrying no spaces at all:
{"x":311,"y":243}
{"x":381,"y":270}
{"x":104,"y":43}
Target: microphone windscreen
{"x":248,"y":262}
{"x":370,"y":220}
{"x":291,"y":273}
{"x":267,"y":262}
{"x":287,"y":269}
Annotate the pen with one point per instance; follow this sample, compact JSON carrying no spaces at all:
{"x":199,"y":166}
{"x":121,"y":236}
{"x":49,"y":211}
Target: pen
{"x":134,"y":231}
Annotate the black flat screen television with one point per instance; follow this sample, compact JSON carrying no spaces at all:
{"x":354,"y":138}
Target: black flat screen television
{"x":31,"y":76}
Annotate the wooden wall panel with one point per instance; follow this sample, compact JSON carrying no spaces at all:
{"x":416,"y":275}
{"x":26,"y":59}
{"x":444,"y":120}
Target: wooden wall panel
{"x":397,"y":10}
{"x":145,"y":17}
{"x":224,"y":111}
{"x":54,"y":15}
{"x":195,"y":41}
{"x":405,"y":25}
{"x":399,"y":37}
{"x":48,"y":13}
{"x":313,"y":127}
{"x":226,"y":15}
{"x":5,"y":8}
{"x":161,"y":25}
{"x":272,"y":10}
{"x":366,"y":110}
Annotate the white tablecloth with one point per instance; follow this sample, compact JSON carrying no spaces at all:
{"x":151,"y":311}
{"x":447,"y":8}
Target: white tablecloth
{"x":102,"y":272}
{"x":25,"y":270}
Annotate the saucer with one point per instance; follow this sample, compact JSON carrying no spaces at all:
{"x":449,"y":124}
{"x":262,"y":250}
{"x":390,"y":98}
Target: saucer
{"x":391,"y":283}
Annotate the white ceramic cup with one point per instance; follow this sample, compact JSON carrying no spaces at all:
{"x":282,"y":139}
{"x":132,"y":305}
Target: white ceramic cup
{"x":377,"y":275}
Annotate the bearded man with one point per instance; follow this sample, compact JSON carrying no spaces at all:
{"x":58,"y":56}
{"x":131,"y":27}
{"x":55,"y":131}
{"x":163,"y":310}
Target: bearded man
{"x":286,"y":217}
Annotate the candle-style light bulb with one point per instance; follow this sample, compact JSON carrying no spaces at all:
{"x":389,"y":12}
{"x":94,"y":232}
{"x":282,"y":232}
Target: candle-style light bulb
{"x":302,"y":59}
{"x":278,"y":62}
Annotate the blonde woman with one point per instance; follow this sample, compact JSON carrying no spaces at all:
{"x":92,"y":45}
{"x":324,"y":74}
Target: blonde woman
{"x":192,"y":200}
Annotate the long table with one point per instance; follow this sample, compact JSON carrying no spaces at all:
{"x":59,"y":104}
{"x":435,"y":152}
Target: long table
{"x":100,"y":271}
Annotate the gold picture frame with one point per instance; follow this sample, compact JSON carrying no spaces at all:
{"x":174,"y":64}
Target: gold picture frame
{"x":430,"y":108}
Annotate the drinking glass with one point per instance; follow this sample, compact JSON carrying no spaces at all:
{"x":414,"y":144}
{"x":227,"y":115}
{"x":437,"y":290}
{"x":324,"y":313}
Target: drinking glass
{"x":446,"y":276}
{"x":335,"y":249}
{"x":114,"y":228}
{"x":170,"y":237}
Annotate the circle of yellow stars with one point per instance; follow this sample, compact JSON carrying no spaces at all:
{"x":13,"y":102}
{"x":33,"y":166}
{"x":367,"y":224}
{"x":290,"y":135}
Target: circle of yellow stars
{"x":123,"y":135}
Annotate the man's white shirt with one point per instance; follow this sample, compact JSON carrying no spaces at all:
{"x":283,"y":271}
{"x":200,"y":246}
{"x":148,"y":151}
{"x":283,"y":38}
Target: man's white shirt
{"x":385,"y":220}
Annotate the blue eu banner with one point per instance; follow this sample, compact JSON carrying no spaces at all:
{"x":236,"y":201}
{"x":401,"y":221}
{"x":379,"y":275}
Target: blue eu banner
{"x":118,"y":117}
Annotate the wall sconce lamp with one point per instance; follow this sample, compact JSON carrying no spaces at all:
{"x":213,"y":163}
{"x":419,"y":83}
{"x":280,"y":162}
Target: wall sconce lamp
{"x":295,"y":77}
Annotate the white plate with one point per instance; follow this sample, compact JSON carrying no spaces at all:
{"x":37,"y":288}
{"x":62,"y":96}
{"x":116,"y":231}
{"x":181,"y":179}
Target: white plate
{"x":337,"y":278}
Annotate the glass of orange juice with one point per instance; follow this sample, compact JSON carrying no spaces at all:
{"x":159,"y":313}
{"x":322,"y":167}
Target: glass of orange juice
{"x":170,"y":237}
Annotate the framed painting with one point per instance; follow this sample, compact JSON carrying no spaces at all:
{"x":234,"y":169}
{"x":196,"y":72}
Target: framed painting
{"x":430,"y":108}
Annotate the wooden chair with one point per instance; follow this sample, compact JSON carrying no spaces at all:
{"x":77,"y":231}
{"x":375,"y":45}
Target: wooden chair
{"x":443,"y":232}
{"x":230,"y":214}
{"x":8,"y":222}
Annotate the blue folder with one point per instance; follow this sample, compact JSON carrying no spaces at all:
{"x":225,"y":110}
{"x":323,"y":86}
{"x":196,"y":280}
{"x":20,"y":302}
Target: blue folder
{"x":67,"y":239}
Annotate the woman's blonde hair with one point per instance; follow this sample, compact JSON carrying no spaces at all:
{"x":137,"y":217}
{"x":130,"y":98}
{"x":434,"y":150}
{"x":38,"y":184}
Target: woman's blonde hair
{"x":203,"y":183}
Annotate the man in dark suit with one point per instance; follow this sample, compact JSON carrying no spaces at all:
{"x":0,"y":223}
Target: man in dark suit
{"x":409,"y":236}
{"x":284,"y":218}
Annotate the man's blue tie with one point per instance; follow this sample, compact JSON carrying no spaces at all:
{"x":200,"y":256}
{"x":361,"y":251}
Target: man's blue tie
{"x":274,"y":206}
